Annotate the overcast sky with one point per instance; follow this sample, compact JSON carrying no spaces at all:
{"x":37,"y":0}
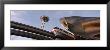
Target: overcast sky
{"x":32,"y":17}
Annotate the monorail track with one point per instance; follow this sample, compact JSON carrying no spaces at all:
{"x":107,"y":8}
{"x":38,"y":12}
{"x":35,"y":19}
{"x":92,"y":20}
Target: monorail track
{"x":24,"y":30}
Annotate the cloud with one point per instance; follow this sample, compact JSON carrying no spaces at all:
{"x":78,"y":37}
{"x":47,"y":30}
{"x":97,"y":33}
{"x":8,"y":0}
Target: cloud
{"x":14,"y":37}
{"x":18,"y":16}
{"x":15,"y":16}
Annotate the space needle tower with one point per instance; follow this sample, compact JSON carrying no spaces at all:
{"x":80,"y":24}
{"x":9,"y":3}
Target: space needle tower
{"x":44,"y":19}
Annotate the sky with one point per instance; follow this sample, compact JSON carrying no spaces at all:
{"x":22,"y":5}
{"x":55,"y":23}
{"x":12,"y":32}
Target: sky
{"x":32,"y":17}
